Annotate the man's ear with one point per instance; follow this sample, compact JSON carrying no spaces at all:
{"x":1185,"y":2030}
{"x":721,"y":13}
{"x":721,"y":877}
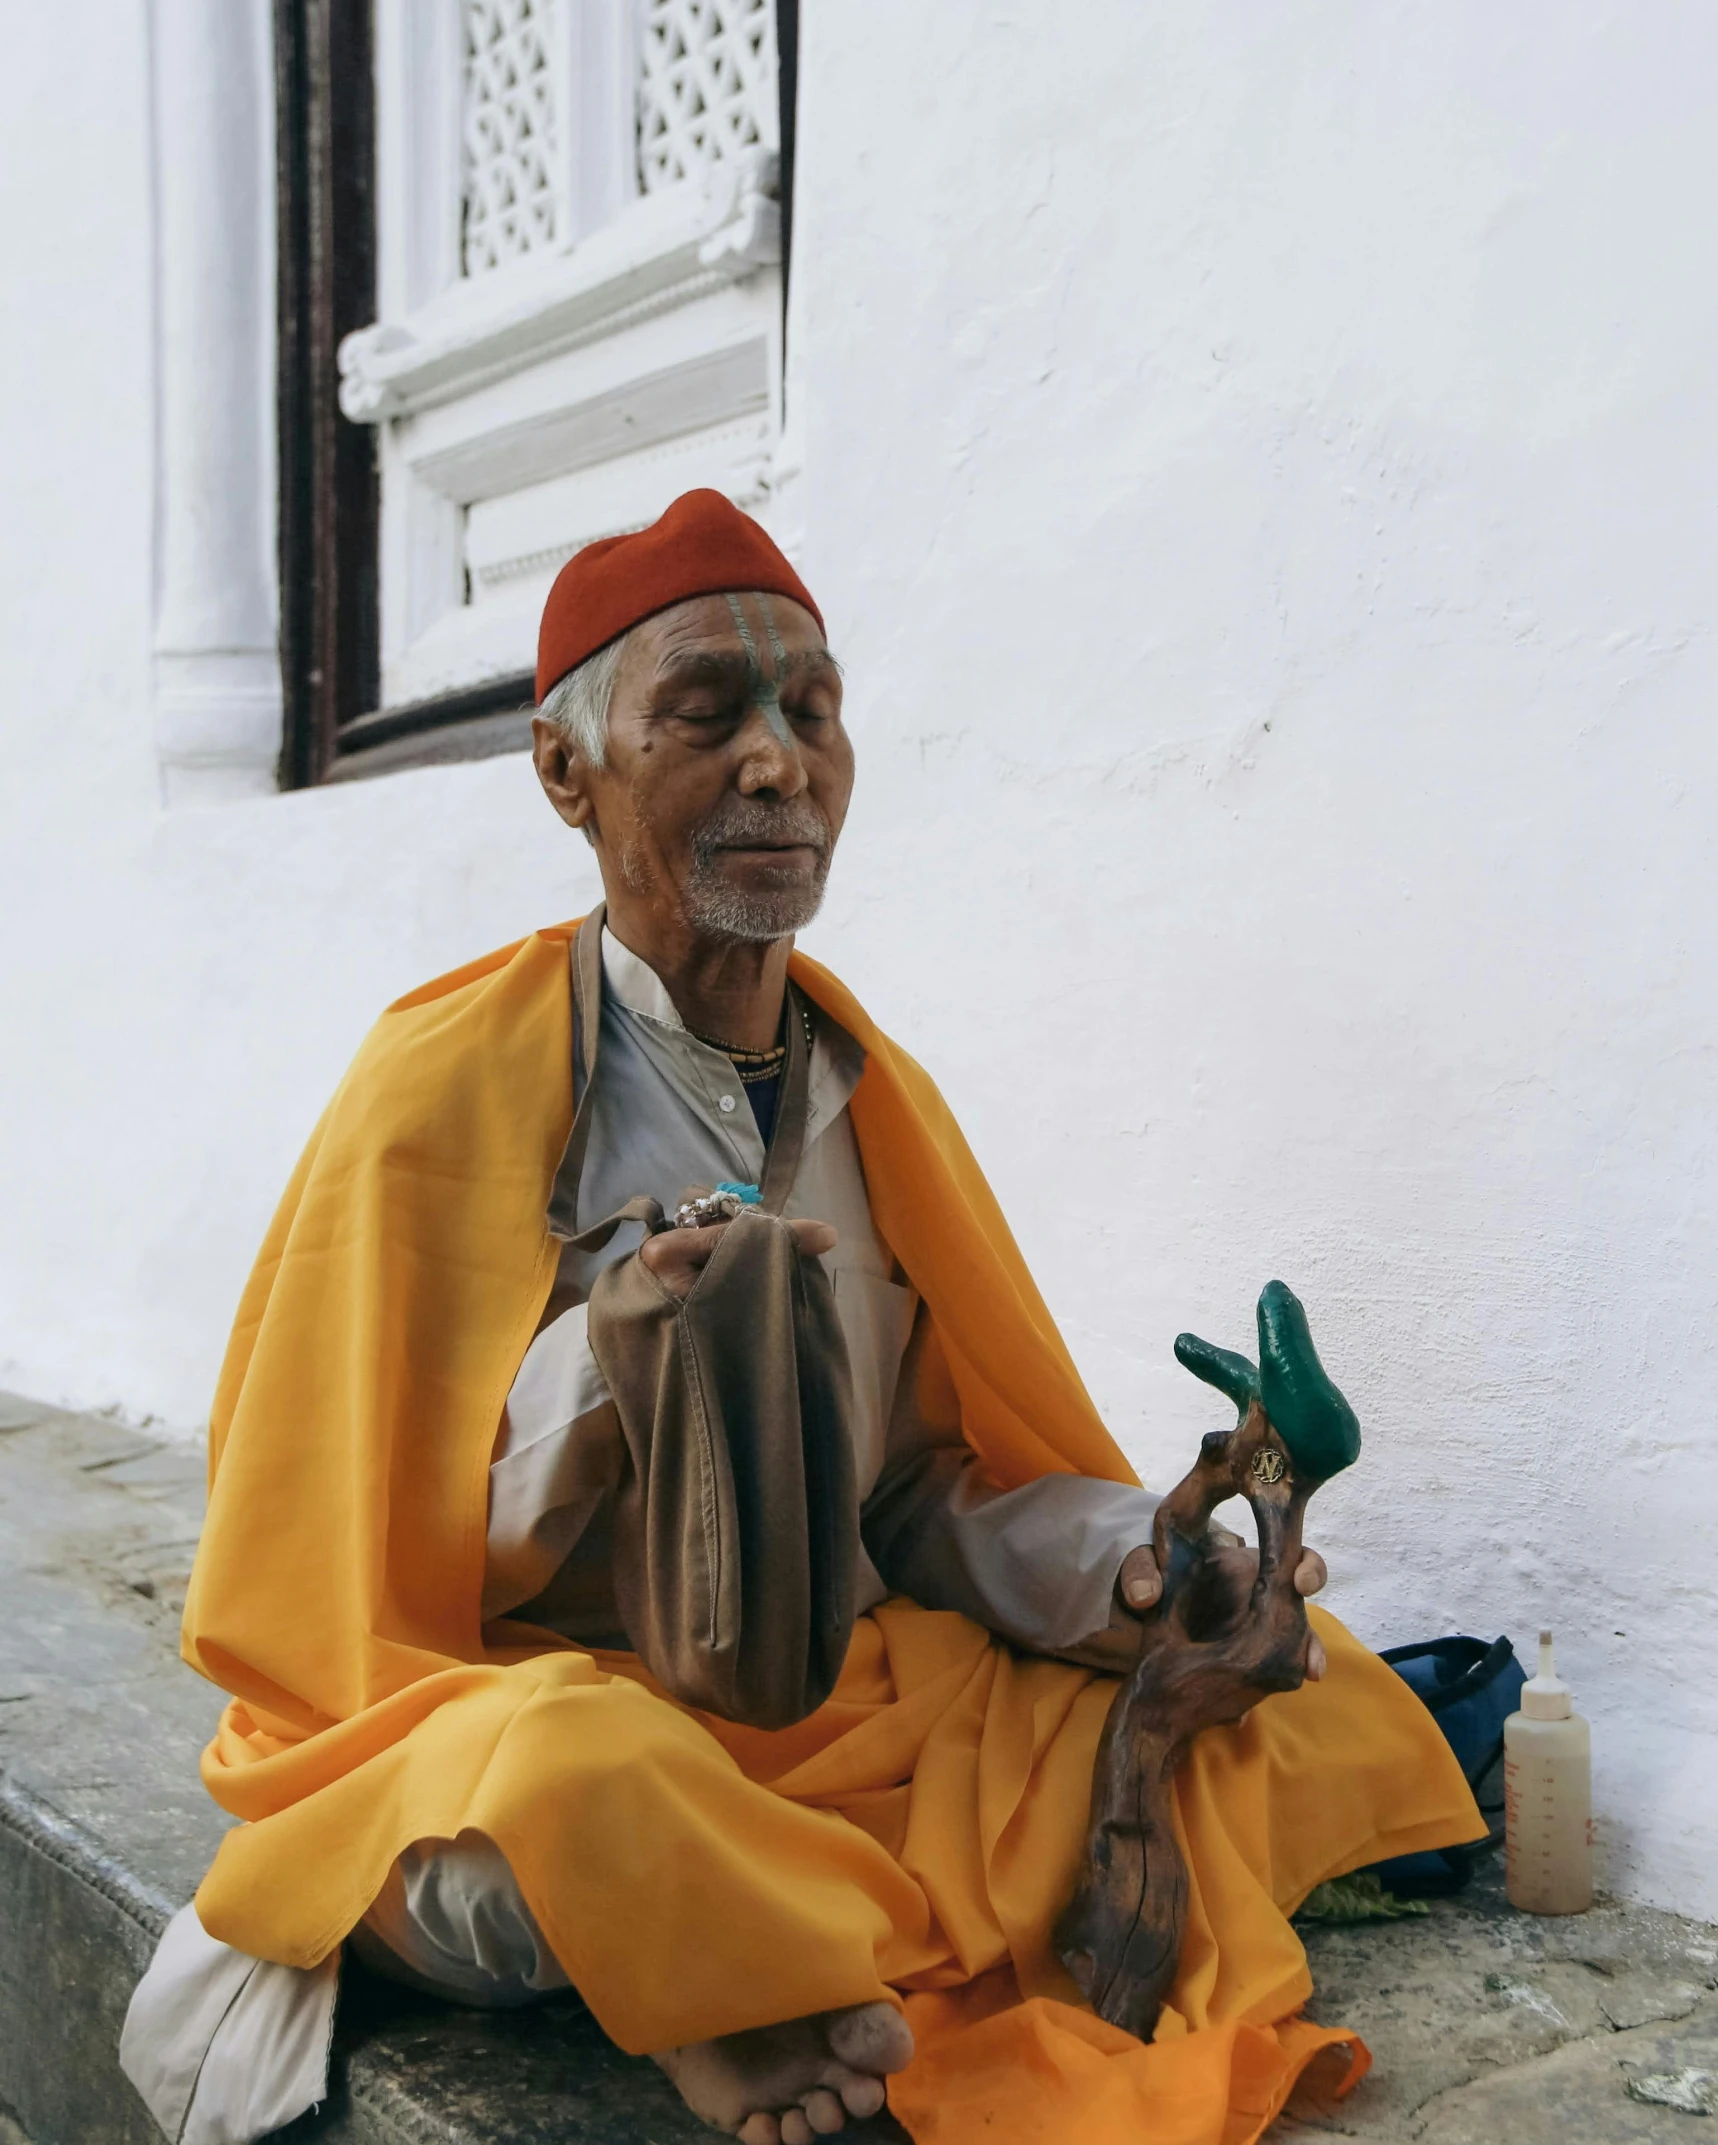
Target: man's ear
{"x":562,"y":772}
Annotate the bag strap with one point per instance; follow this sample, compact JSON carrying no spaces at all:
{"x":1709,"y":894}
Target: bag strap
{"x":587,"y":1031}
{"x":787,"y":1136}
{"x":1484,"y":1664}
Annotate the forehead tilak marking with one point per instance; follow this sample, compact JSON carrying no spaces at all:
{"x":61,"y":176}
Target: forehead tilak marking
{"x":765,"y":693}
{"x":776,"y":648}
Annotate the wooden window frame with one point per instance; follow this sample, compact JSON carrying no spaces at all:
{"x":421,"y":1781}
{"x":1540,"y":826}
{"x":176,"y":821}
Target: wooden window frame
{"x":325,"y":162}
{"x":787,"y":102}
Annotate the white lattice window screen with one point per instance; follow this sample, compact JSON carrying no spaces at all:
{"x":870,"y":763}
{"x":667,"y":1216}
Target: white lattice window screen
{"x":707,"y":87}
{"x":509,"y":198}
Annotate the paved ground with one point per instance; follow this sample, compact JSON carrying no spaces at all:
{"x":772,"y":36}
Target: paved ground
{"x":1489,"y":2027}
{"x":97,"y":1528}
{"x":1486,"y":2027}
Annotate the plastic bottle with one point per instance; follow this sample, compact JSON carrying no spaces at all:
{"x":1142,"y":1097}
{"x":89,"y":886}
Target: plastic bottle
{"x":1548,"y":1797}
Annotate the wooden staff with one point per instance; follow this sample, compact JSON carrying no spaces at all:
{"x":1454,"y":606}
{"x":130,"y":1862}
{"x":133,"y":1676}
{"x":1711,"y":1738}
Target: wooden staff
{"x":1202,"y":1663}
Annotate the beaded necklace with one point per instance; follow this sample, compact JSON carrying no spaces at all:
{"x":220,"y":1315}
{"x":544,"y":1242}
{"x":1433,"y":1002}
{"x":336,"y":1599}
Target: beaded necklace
{"x":756,"y":1066}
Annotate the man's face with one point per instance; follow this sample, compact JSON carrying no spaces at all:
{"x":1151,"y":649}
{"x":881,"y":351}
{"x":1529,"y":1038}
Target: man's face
{"x":728,"y":769}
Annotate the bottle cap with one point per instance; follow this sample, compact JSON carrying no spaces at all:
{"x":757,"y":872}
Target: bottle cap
{"x":1545,"y":1696}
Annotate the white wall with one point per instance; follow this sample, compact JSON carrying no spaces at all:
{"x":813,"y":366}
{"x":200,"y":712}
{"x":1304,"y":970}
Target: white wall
{"x":1257,"y":467}
{"x":178,"y":990}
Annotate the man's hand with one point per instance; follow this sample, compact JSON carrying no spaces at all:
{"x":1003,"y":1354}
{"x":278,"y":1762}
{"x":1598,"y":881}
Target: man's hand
{"x":678,"y":1256}
{"x":1141,"y":1583}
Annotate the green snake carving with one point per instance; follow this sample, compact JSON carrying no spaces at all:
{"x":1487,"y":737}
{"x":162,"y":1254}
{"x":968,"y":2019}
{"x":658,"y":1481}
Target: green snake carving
{"x":1289,"y":1382}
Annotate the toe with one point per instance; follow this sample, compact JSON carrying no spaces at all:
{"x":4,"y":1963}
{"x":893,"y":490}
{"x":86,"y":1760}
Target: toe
{"x":795,"y":2128}
{"x":872,"y":2037}
{"x":759,"y":2129}
{"x":860,"y":2095}
{"x":824,"y":2112}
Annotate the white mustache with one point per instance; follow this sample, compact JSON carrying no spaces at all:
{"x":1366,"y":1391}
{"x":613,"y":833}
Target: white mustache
{"x":743,"y":823}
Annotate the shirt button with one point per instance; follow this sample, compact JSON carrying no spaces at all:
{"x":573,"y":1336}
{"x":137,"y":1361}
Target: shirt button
{"x":726,"y":1105}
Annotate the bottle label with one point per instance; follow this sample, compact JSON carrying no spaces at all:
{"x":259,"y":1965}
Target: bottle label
{"x":1549,"y":1835}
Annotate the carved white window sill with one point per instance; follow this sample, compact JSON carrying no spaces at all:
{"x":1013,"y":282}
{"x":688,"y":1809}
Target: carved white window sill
{"x":565,"y":397}
{"x":665,"y":250}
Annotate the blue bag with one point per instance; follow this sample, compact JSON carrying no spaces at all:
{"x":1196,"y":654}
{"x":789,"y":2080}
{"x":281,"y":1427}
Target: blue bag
{"x":1470,"y":1689}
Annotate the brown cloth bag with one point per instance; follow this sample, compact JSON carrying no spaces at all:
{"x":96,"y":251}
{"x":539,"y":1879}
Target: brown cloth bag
{"x":736,"y":1517}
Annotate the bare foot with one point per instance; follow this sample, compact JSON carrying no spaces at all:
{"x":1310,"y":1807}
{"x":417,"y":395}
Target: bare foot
{"x":788,"y":2084}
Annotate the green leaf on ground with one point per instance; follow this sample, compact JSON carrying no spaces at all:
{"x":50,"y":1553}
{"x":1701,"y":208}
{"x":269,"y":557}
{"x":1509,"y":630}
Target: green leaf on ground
{"x":1357,"y":1898}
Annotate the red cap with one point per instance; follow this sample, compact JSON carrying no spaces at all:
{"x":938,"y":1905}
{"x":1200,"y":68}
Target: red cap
{"x":702,"y":546}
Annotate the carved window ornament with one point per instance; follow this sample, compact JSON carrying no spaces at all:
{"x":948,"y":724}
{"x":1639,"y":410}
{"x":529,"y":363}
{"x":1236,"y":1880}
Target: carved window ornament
{"x":578,"y":311}
{"x":508,"y":128}
{"x":707,"y":86}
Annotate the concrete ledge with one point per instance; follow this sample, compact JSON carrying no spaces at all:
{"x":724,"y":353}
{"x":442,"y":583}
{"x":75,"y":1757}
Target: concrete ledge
{"x":76,"y":1930}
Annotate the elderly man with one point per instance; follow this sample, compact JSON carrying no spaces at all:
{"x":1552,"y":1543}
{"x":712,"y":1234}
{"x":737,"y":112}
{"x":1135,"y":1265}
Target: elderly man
{"x":707,"y":1618}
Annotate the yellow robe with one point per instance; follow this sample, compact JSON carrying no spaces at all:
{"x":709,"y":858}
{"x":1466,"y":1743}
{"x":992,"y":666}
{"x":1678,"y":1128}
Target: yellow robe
{"x":917,"y":1835}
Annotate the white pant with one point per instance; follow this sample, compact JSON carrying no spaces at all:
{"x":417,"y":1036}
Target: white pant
{"x":452,"y":1920}
{"x":225,"y":2048}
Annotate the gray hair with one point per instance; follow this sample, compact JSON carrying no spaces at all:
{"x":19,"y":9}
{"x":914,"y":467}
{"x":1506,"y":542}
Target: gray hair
{"x":578,"y":704}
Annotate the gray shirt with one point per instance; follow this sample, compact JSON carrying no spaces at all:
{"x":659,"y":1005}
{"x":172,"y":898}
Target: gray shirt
{"x":1037,"y":1565}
